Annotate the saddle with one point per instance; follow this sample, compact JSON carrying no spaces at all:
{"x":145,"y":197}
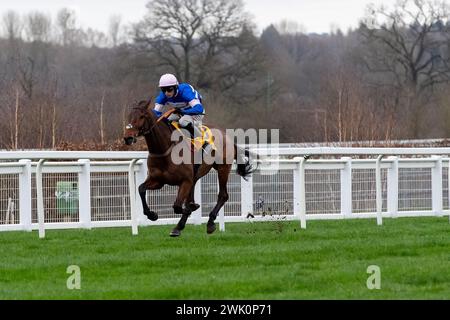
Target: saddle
{"x":198,"y":143}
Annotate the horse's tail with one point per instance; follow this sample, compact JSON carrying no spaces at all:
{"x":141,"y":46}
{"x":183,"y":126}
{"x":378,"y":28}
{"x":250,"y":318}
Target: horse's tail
{"x":244,"y":167}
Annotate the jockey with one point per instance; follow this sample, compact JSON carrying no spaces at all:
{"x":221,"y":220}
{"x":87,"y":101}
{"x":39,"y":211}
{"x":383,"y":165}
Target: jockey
{"x":185,"y":99}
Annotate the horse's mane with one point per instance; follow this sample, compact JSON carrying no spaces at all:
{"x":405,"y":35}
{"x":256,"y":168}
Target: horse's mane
{"x":143,"y":104}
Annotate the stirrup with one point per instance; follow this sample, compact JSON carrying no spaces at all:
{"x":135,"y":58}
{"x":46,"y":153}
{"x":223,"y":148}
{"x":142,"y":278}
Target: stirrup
{"x":198,"y":143}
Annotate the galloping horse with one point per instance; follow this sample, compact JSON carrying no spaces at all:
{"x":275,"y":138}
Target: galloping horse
{"x":163,"y":171}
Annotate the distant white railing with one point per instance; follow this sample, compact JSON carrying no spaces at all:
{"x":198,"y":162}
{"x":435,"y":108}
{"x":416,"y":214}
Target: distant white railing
{"x":59,"y":190}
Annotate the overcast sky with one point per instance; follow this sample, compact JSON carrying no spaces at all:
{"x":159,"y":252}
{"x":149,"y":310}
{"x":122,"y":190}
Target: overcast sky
{"x":314,"y":15}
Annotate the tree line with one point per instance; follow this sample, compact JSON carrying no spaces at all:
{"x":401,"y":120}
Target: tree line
{"x":387,"y":79}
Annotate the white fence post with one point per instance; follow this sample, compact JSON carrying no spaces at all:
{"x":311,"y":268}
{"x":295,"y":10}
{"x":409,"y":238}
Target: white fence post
{"x":132,"y":189}
{"x":302,"y":192}
{"x":141,"y":176}
{"x":197,"y":215}
{"x":25,"y":195}
{"x":246,"y":197}
{"x":379,"y":193}
{"x":392,"y":187}
{"x":436,"y":186}
{"x":84,"y":193}
{"x":346,"y":188}
{"x":296,"y":188}
{"x":40,"y":199}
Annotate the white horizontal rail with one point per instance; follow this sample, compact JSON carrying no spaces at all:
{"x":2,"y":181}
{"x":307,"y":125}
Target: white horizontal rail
{"x":429,"y":204}
{"x":127,"y":155}
{"x":351,"y":151}
{"x":52,"y":155}
{"x":11,"y":164}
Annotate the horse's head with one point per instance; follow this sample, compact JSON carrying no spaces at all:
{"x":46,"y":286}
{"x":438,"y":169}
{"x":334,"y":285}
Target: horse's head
{"x":138,"y":123}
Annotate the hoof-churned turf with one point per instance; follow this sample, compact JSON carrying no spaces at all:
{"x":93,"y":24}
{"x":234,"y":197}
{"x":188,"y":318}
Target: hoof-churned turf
{"x":267,"y":260}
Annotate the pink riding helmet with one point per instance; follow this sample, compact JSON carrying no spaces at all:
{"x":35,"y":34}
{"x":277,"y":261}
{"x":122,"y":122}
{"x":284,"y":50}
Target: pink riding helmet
{"x":168,"y":80}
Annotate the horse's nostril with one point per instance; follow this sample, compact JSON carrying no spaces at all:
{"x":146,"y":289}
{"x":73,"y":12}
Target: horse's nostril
{"x":129,"y":140}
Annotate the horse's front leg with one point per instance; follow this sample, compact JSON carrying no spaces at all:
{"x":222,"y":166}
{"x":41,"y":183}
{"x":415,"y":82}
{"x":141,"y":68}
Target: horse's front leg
{"x":182,"y":198}
{"x":149,"y":184}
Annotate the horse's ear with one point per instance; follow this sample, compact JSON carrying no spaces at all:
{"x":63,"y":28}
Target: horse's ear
{"x":148,"y":103}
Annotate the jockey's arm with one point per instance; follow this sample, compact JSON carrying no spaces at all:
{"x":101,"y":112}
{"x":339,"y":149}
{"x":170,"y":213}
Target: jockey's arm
{"x":160,"y":101}
{"x":158,"y":109}
{"x":195,"y":107}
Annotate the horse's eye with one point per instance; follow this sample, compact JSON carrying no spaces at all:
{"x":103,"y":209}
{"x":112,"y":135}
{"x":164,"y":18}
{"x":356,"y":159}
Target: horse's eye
{"x":128,"y":127}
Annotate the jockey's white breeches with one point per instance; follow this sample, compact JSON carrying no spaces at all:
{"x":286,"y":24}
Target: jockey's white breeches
{"x":185,"y":120}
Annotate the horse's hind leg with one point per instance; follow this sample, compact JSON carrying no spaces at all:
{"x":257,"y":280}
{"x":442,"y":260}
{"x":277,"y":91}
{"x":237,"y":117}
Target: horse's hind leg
{"x":148,"y":185}
{"x":223,"y":172}
{"x":182,"y":198}
{"x":191,"y":201}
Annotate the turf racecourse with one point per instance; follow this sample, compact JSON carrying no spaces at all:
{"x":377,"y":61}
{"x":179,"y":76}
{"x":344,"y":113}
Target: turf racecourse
{"x":269,"y":260}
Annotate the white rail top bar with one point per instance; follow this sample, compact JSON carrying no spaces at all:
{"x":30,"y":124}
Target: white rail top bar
{"x":351,"y":151}
{"x":14,"y":155}
{"x":121,"y":155}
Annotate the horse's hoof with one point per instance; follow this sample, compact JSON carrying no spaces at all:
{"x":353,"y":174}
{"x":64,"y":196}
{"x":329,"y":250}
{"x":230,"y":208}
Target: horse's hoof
{"x":151,"y":215}
{"x":193,"y":206}
{"x":210,"y":228}
{"x":175,"y":233}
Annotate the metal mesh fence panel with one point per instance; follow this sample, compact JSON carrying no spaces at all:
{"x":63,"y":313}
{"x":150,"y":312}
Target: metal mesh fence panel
{"x":110,"y":197}
{"x":9,"y":199}
{"x":273,"y":193}
{"x":323,"y":191}
{"x":161,"y":201}
{"x":210,"y":190}
{"x":60,"y":191}
{"x":364,"y":192}
{"x":414,"y":190}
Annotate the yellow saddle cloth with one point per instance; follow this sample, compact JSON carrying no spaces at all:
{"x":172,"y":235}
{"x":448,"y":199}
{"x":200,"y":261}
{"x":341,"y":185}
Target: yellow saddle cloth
{"x":199,"y":142}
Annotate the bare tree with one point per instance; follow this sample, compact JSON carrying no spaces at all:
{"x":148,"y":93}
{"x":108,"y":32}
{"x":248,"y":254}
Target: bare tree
{"x":409,"y":43}
{"x":54,"y":123}
{"x":16,"y":121}
{"x":169,"y":30}
{"x":290,"y":27}
{"x":114,"y":29}
{"x":174,"y":29}
{"x":101,"y":120}
{"x":92,"y":38}
{"x":408,"y":50}
{"x":66,"y":23}
{"x":38,"y":26}
{"x":12,"y":25}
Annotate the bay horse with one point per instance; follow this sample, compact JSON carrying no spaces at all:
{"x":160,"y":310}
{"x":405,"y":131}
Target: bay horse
{"x":163,"y":171}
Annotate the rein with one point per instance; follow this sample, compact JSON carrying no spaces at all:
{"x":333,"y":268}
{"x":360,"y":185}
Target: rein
{"x":169,"y":150}
{"x":164,"y":116}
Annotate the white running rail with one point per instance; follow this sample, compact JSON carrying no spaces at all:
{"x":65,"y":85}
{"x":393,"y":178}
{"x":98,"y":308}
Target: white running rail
{"x":59,"y":190}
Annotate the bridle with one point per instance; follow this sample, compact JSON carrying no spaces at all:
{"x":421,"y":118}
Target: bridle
{"x":140,"y":130}
{"x":141,"y":133}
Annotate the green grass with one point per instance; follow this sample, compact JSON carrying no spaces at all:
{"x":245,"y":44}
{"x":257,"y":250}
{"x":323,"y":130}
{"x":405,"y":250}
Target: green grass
{"x":269,"y":260}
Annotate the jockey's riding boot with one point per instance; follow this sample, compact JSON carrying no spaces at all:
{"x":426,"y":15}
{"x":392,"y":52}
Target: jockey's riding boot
{"x":196,"y":135}
{"x":190,"y":128}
